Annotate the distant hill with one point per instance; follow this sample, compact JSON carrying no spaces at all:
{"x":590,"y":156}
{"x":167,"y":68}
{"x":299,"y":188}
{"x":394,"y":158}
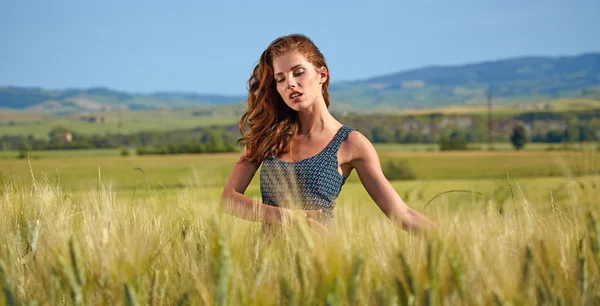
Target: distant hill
{"x":522,"y":80}
{"x":103,"y":99}
{"x":510,"y":80}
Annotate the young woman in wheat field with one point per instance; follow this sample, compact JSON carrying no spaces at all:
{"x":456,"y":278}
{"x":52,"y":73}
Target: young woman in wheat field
{"x":305,"y":153}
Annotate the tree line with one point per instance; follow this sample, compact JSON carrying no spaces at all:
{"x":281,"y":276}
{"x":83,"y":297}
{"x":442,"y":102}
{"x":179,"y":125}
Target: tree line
{"x":199,"y":140}
{"x":379,"y":129}
{"x":456,"y":131}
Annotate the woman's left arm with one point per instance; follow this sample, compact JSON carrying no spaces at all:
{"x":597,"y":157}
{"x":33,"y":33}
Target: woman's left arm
{"x":366,"y":162}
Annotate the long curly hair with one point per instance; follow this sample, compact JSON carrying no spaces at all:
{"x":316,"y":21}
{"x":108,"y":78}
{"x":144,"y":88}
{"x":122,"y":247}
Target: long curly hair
{"x":268,"y":126}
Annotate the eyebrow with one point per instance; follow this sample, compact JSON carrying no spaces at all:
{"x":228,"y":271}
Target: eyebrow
{"x":278,"y":73}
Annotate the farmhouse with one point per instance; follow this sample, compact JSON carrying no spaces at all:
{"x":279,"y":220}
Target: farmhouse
{"x":66,"y":137}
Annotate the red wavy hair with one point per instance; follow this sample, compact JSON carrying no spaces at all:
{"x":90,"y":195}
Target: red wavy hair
{"x":271,"y":124}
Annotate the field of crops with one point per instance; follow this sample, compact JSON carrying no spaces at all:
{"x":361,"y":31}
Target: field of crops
{"x":175,"y":171}
{"x":512,"y":227}
{"x":113,"y":122}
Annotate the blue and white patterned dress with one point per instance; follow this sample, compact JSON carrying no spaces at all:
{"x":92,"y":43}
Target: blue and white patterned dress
{"x":311,"y":183}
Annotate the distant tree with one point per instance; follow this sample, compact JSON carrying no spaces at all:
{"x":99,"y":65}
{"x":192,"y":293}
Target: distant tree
{"x":214,"y":142}
{"x":455,"y":141}
{"x":398,"y":170}
{"x":399,"y":135}
{"x":539,"y":136}
{"x":382,"y":134}
{"x":572,"y":130}
{"x":22,"y":154}
{"x":477,"y":132}
{"x":413,"y":137}
{"x":555,"y":136}
{"x":518,"y":138}
{"x":587,"y":133}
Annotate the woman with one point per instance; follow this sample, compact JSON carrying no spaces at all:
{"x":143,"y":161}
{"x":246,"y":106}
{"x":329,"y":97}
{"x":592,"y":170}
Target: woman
{"x":305,"y":153}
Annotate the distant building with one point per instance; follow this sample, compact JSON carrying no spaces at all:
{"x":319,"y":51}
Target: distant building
{"x":204,"y":113}
{"x":67,"y":137}
{"x":93,"y":119}
{"x":458,"y":121}
{"x":410,"y":124}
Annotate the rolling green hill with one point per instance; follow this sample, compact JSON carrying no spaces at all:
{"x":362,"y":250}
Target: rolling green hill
{"x":516,"y":80}
{"x":104,"y":99}
{"x":520,"y":80}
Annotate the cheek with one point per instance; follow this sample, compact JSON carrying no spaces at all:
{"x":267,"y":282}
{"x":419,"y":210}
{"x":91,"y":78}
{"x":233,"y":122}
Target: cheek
{"x":309,"y":81}
{"x":280,"y":89}
{"x":315,"y":82}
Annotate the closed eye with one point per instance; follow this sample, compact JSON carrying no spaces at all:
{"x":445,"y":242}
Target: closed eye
{"x":296,"y":73}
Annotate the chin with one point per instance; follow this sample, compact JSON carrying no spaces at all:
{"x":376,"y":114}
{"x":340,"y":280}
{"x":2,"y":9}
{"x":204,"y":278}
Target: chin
{"x":300,"y":106}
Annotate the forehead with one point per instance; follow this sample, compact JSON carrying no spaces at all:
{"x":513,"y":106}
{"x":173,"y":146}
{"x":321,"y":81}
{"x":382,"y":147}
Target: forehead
{"x":289,"y":60}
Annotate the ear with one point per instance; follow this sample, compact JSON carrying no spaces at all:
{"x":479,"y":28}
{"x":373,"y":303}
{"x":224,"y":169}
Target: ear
{"x":323,"y":74}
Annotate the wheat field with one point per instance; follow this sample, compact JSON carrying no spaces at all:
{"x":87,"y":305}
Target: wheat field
{"x":513,"y":242}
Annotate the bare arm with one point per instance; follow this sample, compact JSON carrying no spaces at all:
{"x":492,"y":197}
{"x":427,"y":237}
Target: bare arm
{"x":366,"y":162}
{"x":234,"y":202}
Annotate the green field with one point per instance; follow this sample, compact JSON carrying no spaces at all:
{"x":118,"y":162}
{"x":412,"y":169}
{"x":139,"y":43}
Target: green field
{"x":114,"y":122}
{"x":61,"y":153}
{"x":514,"y":228}
{"x":384,"y":148}
{"x":508,"y":107}
{"x":497,"y":146}
{"x":38,"y":124}
{"x":172,"y":171}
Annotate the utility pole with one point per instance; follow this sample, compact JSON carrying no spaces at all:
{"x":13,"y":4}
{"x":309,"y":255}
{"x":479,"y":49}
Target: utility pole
{"x":489,"y":125}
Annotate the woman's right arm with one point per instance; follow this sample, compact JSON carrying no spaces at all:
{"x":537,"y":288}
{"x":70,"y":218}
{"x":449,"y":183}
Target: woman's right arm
{"x":234,"y":202}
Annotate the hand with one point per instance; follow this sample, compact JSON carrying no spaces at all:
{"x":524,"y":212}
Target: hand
{"x":312,"y":223}
{"x":316,"y":226}
{"x":295,"y":214}
{"x":312,"y":213}
{"x":309,"y":216}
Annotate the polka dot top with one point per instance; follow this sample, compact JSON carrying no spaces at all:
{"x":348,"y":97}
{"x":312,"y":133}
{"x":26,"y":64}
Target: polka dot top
{"x":311,"y":183}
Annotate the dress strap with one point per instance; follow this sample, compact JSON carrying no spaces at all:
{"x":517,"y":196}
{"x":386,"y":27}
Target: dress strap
{"x":337,"y":140}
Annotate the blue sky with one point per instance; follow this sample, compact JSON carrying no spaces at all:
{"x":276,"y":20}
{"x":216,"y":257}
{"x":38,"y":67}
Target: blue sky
{"x":211,"y":47}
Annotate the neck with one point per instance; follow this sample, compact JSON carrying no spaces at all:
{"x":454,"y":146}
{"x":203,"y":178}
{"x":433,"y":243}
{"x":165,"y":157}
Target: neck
{"x":315,"y":119}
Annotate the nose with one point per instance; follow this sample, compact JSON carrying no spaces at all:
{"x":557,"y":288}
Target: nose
{"x":291,"y":83}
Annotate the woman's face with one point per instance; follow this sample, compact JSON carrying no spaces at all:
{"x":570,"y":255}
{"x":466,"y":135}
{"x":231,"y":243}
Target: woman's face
{"x":298,"y":81}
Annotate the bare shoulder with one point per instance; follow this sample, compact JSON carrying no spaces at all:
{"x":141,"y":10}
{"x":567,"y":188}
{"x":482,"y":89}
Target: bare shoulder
{"x":242,"y":163}
{"x":359,"y":147}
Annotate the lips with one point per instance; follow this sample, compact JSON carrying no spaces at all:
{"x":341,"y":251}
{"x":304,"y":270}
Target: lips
{"x":295,"y":96}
